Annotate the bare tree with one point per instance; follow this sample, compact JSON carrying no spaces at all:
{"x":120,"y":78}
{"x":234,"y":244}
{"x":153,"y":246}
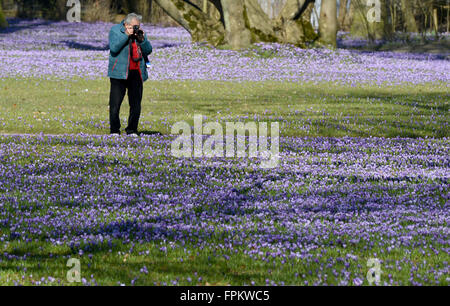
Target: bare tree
{"x":371,"y":22}
{"x":3,"y":22}
{"x":240,"y":23}
{"x":408,"y":16}
{"x":342,"y":13}
{"x":348,"y":19}
{"x":308,"y":11}
{"x":328,"y":22}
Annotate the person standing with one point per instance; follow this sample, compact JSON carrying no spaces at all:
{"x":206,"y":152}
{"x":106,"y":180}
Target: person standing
{"x":127,"y":70}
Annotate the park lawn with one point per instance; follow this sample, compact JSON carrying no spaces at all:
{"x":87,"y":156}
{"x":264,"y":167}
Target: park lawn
{"x":303,"y":109}
{"x":57,"y":107}
{"x":124,"y":264}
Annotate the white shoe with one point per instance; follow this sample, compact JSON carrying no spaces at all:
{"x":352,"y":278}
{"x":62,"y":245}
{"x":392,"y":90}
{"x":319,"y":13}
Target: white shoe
{"x":133,"y":135}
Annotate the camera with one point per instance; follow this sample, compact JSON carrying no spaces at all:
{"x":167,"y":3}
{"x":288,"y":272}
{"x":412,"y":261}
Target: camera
{"x":138,"y":33}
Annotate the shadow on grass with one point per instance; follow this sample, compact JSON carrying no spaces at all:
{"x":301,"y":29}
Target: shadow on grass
{"x":79,"y":46}
{"x":109,"y":268}
{"x":147,"y":132}
{"x":14,"y":25}
{"x":417,"y":49}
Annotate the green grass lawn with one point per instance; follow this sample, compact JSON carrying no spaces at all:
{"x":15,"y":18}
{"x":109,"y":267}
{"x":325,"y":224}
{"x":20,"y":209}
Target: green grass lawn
{"x":58,"y":107}
{"x":122,"y":263}
{"x":55,"y":107}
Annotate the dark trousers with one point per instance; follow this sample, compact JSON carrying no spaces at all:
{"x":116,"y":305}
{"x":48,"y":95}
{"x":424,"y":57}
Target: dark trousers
{"x":117,"y":93}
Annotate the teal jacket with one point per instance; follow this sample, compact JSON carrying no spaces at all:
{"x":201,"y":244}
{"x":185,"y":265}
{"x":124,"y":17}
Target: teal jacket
{"x":119,"y":55}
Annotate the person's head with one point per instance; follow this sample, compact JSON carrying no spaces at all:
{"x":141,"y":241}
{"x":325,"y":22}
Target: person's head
{"x":132,"y":20}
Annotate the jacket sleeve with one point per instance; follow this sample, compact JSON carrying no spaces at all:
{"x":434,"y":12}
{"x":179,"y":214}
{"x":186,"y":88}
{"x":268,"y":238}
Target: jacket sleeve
{"x":117,"y":40}
{"x":146,"y":46}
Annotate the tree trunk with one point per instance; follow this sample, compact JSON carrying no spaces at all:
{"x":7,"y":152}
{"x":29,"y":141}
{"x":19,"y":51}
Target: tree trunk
{"x":342,"y":14}
{"x":144,"y":8}
{"x":436,"y":22}
{"x":201,"y":27}
{"x":448,"y":17}
{"x":236,"y":33}
{"x":392,"y":10}
{"x":272,"y":7}
{"x":364,"y":26}
{"x":238,"y":24}
{"x":328,"y":22}
{"x":3,"y":22}
{"x":384,"y":30}
{"x":359,"y":24}
{"x":289,"y":27}
{"x":348,"y":19}
{"x":408,"y":16}
{"x":308,"y":12}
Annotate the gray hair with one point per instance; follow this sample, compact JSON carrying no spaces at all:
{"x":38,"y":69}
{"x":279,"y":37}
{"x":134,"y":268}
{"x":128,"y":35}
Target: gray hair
{"x":132,"y":16}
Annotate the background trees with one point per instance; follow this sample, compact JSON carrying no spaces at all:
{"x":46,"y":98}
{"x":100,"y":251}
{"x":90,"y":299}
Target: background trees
{"x":409,"y":16}
{"x":240,"y":23}
{"x":3,"y":22}
{"x":328,"y":22}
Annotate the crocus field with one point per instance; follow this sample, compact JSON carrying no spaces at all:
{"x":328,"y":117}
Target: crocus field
{"x":364,"y":165}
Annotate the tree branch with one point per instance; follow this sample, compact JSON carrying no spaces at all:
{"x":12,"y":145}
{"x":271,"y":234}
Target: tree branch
{"x":201,"y":26}
{"x":172,"y":10}
{"x":292,"y":10}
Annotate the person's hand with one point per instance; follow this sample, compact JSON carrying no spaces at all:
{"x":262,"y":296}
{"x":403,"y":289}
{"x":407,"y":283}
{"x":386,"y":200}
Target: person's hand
{"x":141,"y":36}
{"x":129,"y":29}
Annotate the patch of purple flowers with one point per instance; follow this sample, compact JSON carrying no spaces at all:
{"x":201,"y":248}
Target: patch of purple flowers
{"x":86,"y":191}
{"x":62,"y":50}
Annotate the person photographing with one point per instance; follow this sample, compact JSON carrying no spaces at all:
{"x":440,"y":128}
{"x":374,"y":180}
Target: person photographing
{"x":138,"y":34}
{"x":127,"y":70}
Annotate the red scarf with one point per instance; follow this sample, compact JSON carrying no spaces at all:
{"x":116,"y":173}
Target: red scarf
{"x":135,"y":54}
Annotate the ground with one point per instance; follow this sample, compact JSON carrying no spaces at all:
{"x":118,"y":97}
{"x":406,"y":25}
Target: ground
{"x":363,"y":170}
